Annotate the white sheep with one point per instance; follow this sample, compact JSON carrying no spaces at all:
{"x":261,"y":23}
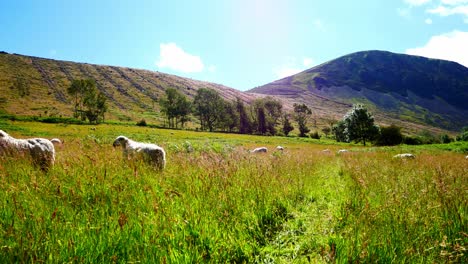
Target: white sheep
{"x":152,"y":153}
{"x":466,"y":157}
{"x":342,"y":151}
{"x":57,"y":142}
{"x":280,"y":148}
{"x":40,"y":150}
{"x":259,"y":150}
{"x":404,"y":156}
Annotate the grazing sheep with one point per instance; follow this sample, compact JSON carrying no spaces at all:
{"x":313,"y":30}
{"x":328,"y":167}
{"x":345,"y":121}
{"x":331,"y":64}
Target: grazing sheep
{"x":466,"y":157}
{"x":57,"y":142}
{"x":41,"y":150}
{"x":153,"y":154}
{"x":259,"y":150}
{"x":280,"y":148}
{"x":404,"y":156}
{"x":342,"y":151}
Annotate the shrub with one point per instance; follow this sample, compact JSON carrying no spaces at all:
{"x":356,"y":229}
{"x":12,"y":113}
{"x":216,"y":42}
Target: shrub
{"x":314,"y":135}
{"x":141,"y":123}
{"x":389,"y":136}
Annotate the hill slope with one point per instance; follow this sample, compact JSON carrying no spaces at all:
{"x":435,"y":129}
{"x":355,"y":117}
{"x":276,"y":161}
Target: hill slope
{"x":131,"y":93}
{"x":399,"y":88}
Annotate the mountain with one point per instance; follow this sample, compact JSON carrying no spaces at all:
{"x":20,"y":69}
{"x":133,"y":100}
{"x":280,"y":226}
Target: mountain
{"x":35,"y":86}
{"x":415,"y":93}
{"x":402,"y":89}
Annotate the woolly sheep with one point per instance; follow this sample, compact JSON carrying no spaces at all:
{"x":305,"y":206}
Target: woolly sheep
{"x":404,"y":156}
{"x":342,"y":151}
{"x":152,"y":153}
{"x":41,"y":150}
{"x":280,"y":148}
{"x":259,"y":150}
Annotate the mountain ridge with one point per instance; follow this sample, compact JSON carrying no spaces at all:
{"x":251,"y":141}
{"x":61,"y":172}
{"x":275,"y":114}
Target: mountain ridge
{"x":404,"y":86}
{"x":133,"y":93}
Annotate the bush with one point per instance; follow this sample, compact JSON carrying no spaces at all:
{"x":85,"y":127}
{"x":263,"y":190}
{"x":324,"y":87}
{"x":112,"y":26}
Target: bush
{"x":446,"y":139}
{"x":412,"y":140}
{"x":314,"y":135}
{"x":141,"y":123}
{"x":389,"y":136}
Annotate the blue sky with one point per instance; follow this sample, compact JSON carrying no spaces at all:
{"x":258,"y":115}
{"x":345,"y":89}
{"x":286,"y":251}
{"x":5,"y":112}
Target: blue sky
{"x":241,"y":44}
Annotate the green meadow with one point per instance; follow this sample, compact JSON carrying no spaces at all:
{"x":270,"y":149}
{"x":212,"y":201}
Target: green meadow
{"x":217,"y":203}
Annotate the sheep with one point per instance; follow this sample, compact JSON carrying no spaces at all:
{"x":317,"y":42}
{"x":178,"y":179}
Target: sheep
{"x":404,"y":156}
{"x":40,"y":150}
{"x":342,"y":151}
{"x":152,"y":153}
{"x":57,"y":142}
{"x":466,"y":157}
{"x":259,"y":150}
{"x":280,"y":148}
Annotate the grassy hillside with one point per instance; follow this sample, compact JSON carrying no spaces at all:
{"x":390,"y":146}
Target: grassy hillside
{"x":403,"y":87}
{"x":37,"y":87}
{"x":221,"y":204}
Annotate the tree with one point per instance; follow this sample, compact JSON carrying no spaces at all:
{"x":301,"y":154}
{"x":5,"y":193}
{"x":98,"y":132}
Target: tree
{"x":338,"y":131}
{"x":89,"y":103}
{"x":230,"y":119}
{"x":302,"y":112}
{"x":287,"y":126}
{"x":389,"y":136}
{"x":245,"y":124}
{"x":176,"y":107}
{"x":267,"y":112}
{"x":209,"y":106}
{"x":359,"y":125}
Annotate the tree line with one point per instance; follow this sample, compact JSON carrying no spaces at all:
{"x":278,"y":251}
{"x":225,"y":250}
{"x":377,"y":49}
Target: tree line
{"x":265,"y":116}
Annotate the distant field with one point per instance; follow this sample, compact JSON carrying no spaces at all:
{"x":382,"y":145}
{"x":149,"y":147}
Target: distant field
{"x":221,"y":204}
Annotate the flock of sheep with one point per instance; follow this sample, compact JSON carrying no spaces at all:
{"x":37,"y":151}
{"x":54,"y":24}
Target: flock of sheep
{"x":42,"y":151}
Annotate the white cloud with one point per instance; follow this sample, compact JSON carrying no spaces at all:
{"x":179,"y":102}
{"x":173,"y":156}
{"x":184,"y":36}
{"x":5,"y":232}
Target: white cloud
{"x":454,"y":2}
{"x":308,"y":62}
{"x":448,"y":46}
{"x":175,"y":58}
{"x":448,"y":11}
{"x":451,"y":7}
{"x":428,"y":21}
{"x":416,"y":2}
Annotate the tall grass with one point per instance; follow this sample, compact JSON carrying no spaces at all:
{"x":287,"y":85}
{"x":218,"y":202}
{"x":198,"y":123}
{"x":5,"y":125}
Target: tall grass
{"x":404,"y":210}
{"x":215,"y":202}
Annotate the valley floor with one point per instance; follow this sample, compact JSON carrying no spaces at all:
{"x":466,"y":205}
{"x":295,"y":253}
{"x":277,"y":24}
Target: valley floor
{"x":216,"y":202}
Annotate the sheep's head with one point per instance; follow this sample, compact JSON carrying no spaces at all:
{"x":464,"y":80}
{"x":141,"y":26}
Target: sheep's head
{"x":120,"y":141}
{"x":3,"y":134}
